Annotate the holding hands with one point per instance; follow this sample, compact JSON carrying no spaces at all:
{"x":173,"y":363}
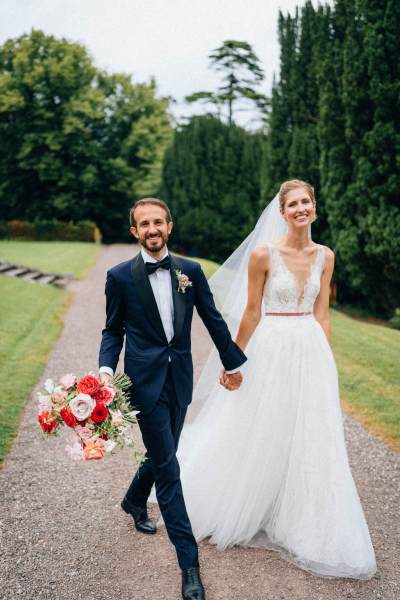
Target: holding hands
{"x":231,"y":381}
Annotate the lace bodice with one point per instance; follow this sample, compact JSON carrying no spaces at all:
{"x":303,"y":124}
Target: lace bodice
{"x":283,"y":292}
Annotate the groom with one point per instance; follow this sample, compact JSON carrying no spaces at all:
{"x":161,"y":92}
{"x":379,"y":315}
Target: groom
{"x":150,"y":300}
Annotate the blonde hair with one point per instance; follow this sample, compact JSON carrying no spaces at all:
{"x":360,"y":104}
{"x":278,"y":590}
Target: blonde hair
{"x":294,"y":184}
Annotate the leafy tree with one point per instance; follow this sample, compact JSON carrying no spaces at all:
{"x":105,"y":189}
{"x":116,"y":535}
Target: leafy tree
{"x":76,"y":143}
{"x":242,"y":73}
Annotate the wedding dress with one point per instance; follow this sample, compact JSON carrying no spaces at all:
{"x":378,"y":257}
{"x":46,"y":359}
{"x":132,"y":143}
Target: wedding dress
{"x":266,"y":466}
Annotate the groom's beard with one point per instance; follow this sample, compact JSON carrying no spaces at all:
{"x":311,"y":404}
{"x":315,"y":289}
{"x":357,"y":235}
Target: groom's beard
{"x":154,"y":243}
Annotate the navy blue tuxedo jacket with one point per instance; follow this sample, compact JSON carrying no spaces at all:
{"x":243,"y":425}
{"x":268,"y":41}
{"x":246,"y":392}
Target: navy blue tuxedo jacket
{"x":132,"y":312}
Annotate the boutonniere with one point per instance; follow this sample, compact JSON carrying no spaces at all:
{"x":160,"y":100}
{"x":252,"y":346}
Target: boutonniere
{"x":183,"y":281}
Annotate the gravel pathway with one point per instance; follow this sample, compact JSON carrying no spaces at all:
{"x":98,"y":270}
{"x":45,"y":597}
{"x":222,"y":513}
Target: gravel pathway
{"x":64,"y":536}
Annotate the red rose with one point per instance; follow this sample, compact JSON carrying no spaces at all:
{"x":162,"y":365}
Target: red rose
{"x":47,"y":421}
{"x":88,"y":385}
{"x":100,"y":413}
{"x":103,"y":395}
{"x":67,"y":416}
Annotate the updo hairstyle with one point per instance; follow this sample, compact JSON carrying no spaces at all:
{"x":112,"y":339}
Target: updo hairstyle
{"x":294,"y":184}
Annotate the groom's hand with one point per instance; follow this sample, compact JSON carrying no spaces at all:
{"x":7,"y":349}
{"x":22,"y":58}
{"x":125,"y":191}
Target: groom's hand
{"x":105,"y":378}
{"x":231,"y":381}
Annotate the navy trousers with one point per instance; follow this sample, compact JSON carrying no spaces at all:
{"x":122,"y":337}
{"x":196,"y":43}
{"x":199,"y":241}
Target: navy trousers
{"x":161,"y":429}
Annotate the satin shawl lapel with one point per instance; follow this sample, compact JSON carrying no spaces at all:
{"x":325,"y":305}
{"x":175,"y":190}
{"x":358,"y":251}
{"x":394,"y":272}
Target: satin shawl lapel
{"x":178,"y":298}
{"x":145,"y":293}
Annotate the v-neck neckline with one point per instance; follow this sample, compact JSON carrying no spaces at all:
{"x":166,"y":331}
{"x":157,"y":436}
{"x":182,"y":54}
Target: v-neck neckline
{"x":301,"y":287}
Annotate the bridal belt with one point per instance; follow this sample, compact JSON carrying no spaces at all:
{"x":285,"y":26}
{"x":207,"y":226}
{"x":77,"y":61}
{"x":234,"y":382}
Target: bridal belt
{"x":284,"y":314}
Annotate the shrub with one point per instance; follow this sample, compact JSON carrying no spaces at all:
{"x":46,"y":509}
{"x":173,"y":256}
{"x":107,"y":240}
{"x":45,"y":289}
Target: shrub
{"x":395,"y":320}
{"x":83,"y":231}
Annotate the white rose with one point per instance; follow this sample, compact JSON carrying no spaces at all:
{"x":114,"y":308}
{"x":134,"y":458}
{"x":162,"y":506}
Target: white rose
{"x":49,"y":386}
{"x":81,"y":406}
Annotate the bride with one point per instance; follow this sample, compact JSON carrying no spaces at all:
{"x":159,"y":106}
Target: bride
{"x":267,"y":466}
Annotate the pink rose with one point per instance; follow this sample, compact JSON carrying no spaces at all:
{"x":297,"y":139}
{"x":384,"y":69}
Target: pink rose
{"x":68,"y":381}
{"x":83,"y":432}
{"x":82,"y":406}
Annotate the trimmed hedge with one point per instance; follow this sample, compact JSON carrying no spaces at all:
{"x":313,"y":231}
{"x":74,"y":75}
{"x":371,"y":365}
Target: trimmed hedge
{"x":83,"y":231}
{"x":395,"y":320}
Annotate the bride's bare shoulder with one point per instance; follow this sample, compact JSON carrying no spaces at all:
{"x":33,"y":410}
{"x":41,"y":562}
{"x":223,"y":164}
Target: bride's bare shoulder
{"x":329,"y":259}
{"x":329,"y":254}
{"x":259,"y":257}
{"x":260,"y":251}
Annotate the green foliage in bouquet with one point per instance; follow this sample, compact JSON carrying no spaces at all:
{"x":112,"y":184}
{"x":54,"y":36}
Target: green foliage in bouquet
{"x":100,"y":414}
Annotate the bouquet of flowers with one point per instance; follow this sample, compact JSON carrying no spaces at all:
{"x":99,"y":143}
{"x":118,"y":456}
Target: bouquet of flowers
{"x":99,"y":414}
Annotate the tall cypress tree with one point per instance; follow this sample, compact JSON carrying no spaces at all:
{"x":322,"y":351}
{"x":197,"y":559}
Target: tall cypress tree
{"x":211,"y":180}
{"x":344,"y":137}
{"x":304,"y":150}
{"x":377,"y":174}
{"x":335,"y":165}
{"x":280,"y":124}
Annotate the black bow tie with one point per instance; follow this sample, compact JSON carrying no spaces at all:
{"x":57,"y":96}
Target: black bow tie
{"x":165,"y":263}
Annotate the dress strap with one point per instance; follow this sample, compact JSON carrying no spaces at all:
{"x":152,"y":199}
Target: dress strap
{"x":320,"y":259}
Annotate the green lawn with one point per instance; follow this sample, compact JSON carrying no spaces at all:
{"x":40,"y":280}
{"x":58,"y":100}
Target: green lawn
{"x":368,"y":358}
{"x":57,"y":257}
{"x":31,"y":321}
{"x":209,"y":266}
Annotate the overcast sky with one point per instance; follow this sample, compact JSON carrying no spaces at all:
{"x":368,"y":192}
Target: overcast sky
{"x":167,"y":39}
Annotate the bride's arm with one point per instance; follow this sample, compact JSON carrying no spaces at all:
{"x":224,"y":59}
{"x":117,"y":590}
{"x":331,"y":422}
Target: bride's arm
{"x":257,"y":272}
{"x":321,"y":306}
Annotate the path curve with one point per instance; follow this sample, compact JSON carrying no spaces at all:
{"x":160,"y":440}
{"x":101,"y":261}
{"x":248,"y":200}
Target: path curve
{"x":64,"y":536}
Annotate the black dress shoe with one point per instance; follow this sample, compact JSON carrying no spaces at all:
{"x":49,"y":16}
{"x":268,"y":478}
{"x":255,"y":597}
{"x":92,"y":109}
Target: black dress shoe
{"x":192,"y":587}
{"x":140,"y":517}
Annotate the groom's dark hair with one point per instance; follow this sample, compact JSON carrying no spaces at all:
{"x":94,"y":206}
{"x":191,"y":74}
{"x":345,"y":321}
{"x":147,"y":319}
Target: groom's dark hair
{"x":142,"y":202}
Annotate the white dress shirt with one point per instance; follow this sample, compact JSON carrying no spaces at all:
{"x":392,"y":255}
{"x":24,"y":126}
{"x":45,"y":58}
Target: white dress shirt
{"x":161,"y":285}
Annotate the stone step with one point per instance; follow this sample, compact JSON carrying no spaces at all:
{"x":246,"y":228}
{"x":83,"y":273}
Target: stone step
{"x":17,"y":271}
{"x":4,"y":266}
{"x":34,"y":275}
{"x":46,"y":278}
{"x":61,"y":282}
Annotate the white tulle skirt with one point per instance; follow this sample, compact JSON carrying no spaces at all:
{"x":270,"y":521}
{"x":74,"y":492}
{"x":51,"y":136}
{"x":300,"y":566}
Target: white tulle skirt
{"x":266,"y":466}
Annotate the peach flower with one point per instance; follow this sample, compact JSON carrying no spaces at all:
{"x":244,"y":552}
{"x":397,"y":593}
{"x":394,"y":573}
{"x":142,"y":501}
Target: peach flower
{"x":59,"y":395}
{"x":94,"y":449}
